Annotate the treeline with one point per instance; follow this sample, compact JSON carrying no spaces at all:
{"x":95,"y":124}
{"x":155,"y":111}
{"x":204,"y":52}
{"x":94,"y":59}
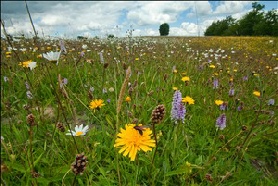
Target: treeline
{"x":254,"y":23}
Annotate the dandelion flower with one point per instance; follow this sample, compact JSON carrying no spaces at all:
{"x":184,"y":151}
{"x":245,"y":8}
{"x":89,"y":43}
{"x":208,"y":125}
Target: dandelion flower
{"x":219,"y":102}
{"x":257,"y":93}
{"x":212,"y":66}
{"x":28,"y":64}
{"x":188,"y":100}
{"x":130,"y":141}
{"x":175,"y":88}
{"x":79,"y":130}
{"x":96,"y":104}
{"x":127,"y":99}
{"x":185,"y":79}
{"x":25,"y":63}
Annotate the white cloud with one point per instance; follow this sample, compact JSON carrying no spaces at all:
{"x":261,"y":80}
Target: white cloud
{"x":157,"y":12}
{"x":74,"y":18}
{"x":231,"y":7}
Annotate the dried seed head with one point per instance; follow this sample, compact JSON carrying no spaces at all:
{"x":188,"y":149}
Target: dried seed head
{"x":79,"y":165}
{"x":209,"y":177}
{"x":130,"y":90}
{"x":35,"y":174}
{"x":158,"y":114}
{"x":244,"y":128}
{"x":105,"y":65}
{"x":221,"y":137}
{"x":31,"y":119}
{"x":60,"y":127}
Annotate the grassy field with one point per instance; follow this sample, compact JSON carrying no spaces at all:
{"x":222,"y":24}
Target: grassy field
{"x":223,"y":133}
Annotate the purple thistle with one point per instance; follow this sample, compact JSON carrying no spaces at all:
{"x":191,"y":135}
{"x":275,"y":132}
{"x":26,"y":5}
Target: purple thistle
{"x":215,"y":84}
{"x":178,"y":109}
{"x":221,"y":122}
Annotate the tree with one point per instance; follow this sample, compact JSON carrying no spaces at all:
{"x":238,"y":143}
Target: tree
{"x":164,"y":29}
{"x":220,"y":28}
{"x":247,"y":23}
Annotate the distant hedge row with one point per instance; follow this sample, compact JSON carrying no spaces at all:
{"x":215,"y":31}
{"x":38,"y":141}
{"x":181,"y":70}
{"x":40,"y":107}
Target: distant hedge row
{"x":254,"y":23}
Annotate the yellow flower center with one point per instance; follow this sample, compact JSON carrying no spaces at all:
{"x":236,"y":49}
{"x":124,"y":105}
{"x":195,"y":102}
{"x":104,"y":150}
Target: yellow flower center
{"x":79,"y":133}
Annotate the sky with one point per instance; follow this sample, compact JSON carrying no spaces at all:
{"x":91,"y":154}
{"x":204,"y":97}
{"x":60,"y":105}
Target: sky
{"x":69,"y":19}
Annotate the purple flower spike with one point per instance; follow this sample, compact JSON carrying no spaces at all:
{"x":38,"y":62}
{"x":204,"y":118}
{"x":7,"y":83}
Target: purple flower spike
{"x":223,"y":106}
{"x":215,"y":83}
{"x":178,"y":109}
{"x":221,"y":122}
{"x":231,"y":92}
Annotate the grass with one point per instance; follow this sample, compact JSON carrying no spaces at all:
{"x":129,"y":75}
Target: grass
{"x":195,"y":152}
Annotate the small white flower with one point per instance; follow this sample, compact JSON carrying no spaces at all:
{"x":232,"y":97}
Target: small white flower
{"x":32,"y":65}
{"x":84,"y":46}
{"x":52,"y":56}
{"x":6,"y":78}
{"x":79,"y":130}
{"x":111,"y":89}
{"x":29,"y":94}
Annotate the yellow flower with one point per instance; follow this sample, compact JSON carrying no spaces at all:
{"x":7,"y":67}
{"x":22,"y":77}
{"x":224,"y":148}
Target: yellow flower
{"x":127,"y":99}
{"x":212,"y":66}
{"x":130,"y":141}
{"x":25,"y":63}
{"x":8,"y":53}
{"x":257,"y":93}
{"x":188,"y":100}
{"x":185,"y":78}
{"x":96,"y":104}
{"x":219,"y":102}
{"x":175,"y":71}
{"x":137,"y":59}
{"x":175,"y":88}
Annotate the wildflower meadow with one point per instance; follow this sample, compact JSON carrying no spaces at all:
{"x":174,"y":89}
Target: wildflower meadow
{"x":139,"y":111}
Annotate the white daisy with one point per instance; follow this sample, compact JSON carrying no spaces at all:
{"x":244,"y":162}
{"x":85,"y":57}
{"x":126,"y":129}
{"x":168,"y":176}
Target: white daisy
{"x":52,"y":56}
{"x":79,"y":130}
